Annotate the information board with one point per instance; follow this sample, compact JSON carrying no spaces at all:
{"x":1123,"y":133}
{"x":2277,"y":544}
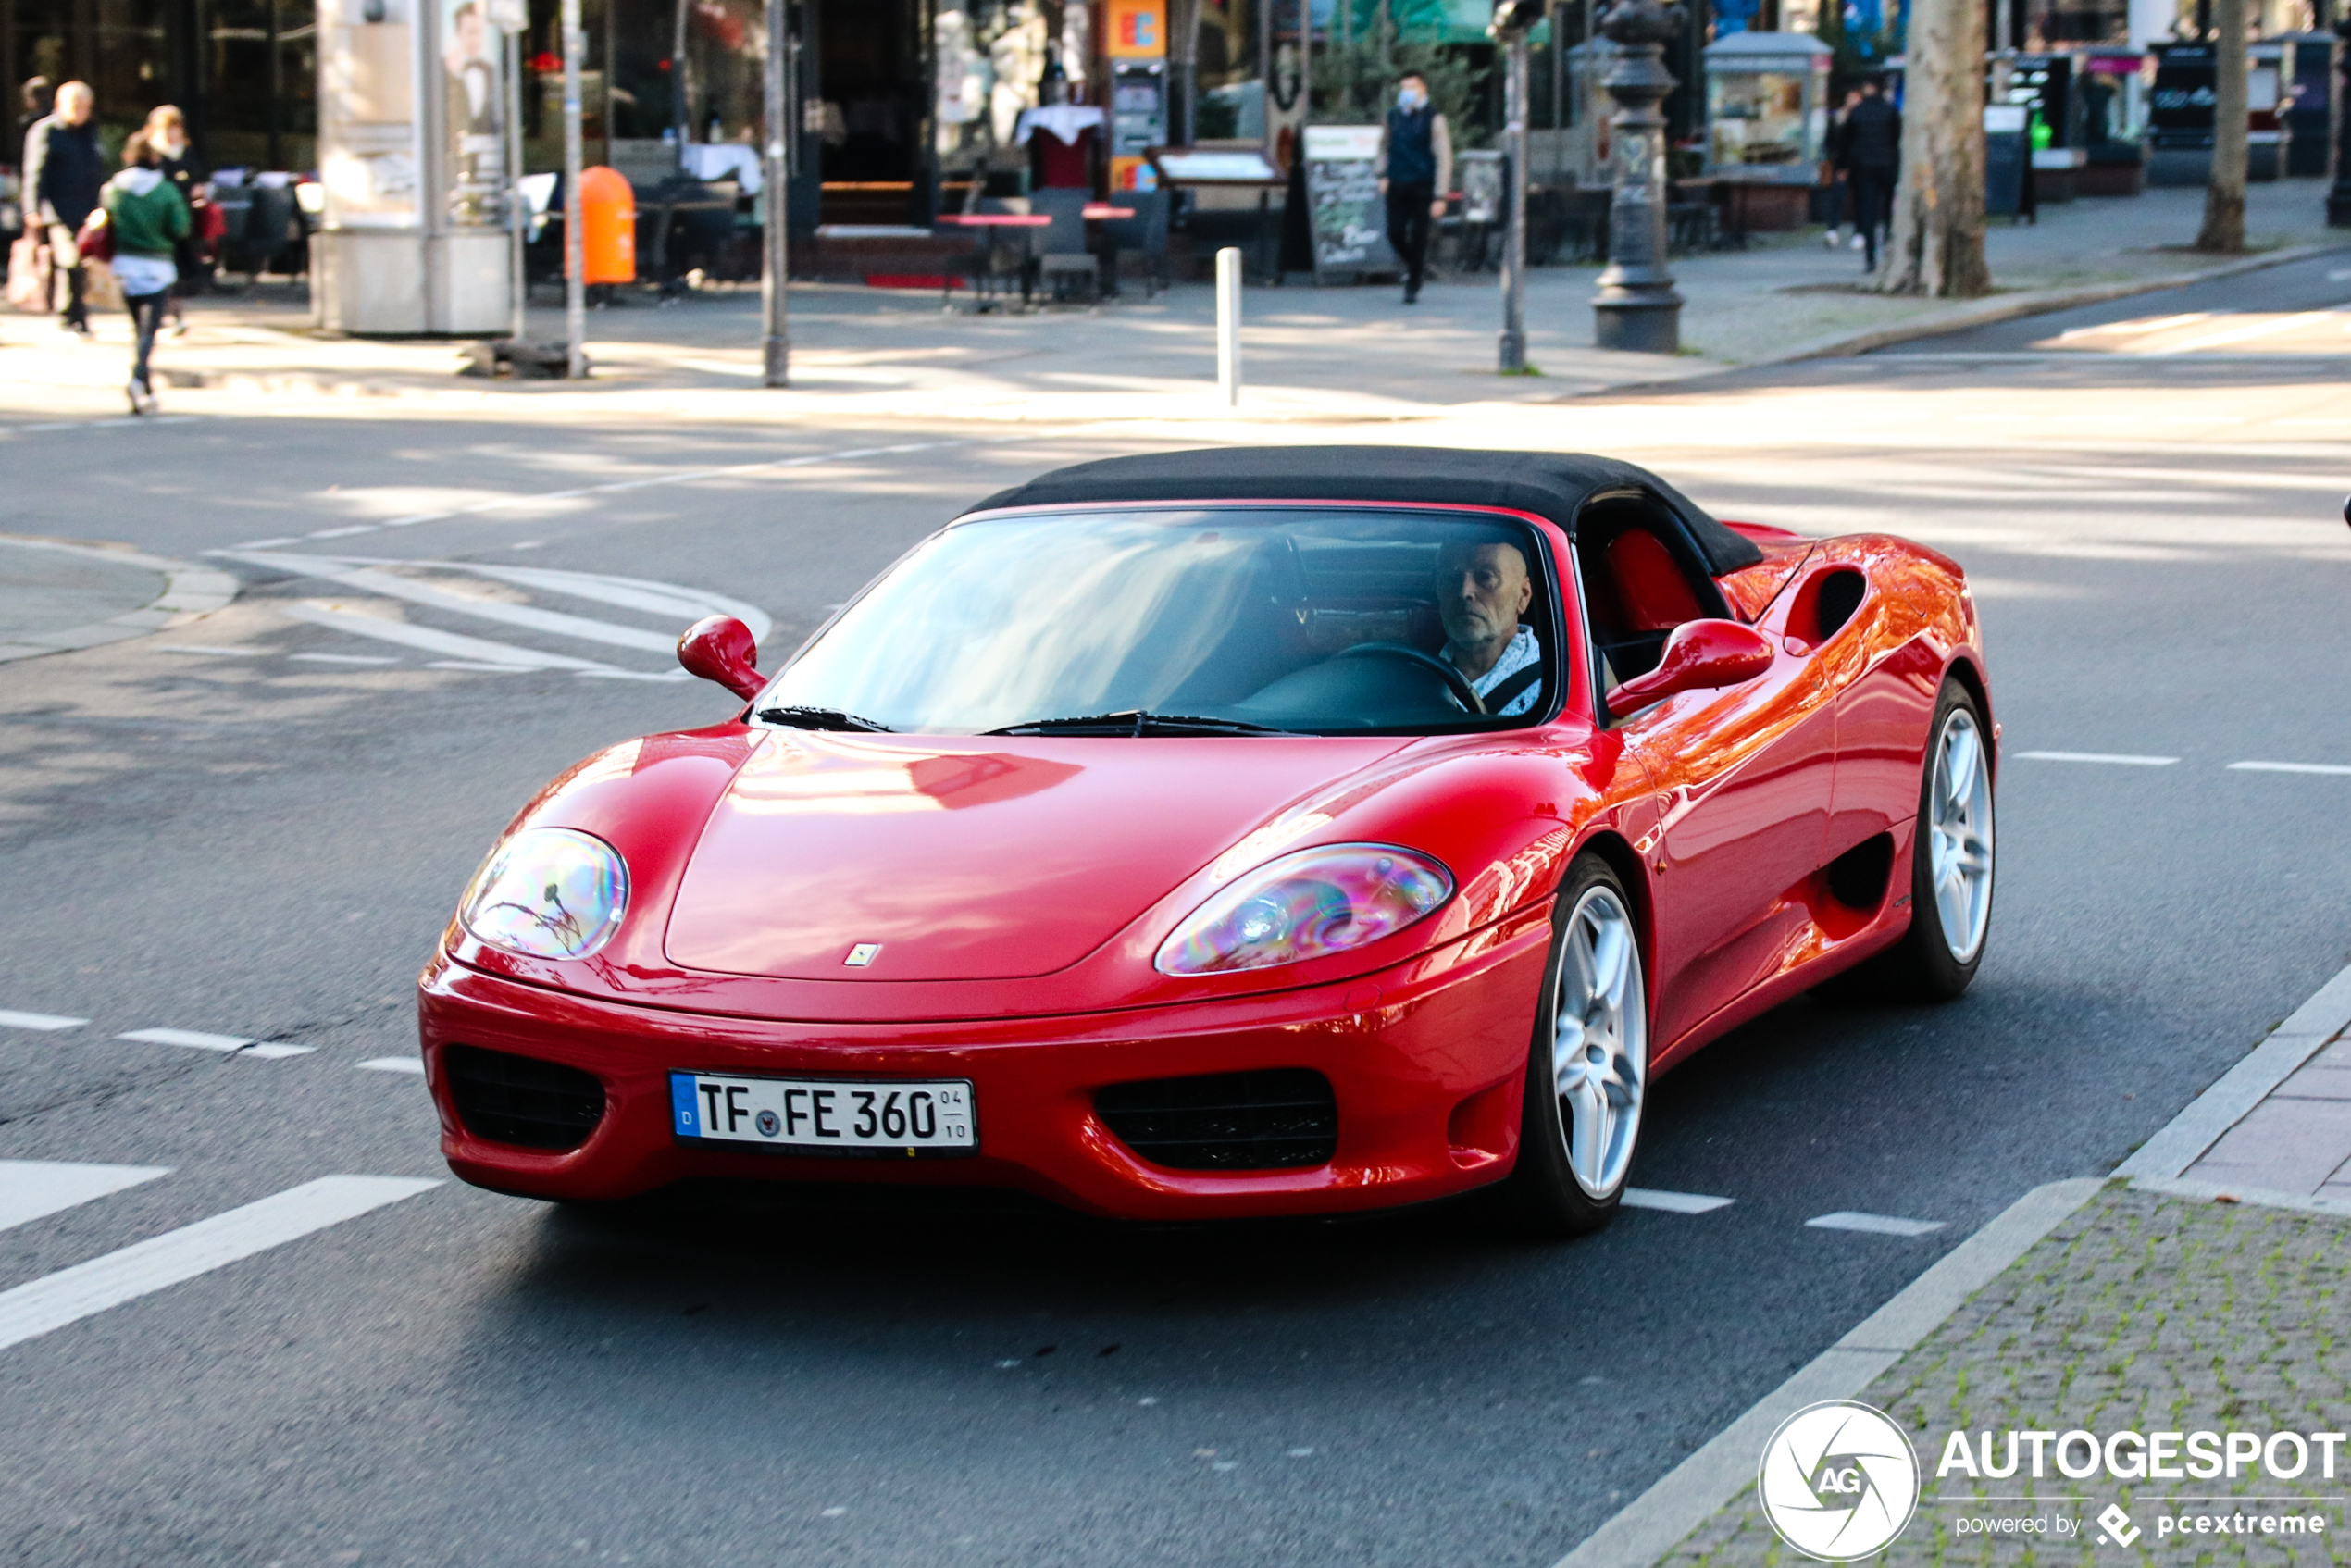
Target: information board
{"x":1343,"y":195}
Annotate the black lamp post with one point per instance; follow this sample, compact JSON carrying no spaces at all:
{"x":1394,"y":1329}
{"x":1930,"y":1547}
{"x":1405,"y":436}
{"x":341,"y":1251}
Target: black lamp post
{"x":1637,"y":309}
{"x":2339,"y":194}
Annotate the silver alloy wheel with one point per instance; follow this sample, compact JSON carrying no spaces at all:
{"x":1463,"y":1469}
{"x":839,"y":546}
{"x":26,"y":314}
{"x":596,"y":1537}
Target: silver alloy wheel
{"x":1958,"y":811}
{"x":1600,"y":1041}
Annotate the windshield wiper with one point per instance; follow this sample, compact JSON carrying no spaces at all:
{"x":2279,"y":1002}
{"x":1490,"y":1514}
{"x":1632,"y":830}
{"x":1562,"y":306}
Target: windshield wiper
{"x":1138,"y":722}
{"x":821,"y":719}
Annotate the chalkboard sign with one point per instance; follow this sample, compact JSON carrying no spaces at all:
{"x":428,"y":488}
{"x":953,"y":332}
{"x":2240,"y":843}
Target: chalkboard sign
{"x":1343,"y":195}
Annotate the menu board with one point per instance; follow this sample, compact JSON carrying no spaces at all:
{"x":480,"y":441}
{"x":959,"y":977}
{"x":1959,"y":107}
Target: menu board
{"x":1343,"y":195}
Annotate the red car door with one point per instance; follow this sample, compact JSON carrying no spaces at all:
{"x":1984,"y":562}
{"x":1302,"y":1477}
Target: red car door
{"x":1743,"y":776}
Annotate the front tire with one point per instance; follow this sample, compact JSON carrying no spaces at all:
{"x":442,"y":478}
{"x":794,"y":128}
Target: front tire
{"x":1587,"y":1068}
{"x":1951,"y":859}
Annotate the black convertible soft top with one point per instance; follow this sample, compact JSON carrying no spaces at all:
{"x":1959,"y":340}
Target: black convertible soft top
{"x":1551,"y":485}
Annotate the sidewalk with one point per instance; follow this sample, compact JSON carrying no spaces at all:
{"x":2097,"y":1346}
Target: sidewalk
{"x":1311,"y":354}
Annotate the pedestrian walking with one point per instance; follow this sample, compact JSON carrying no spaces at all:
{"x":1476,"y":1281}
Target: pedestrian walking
{"x":168,"y":133}
{"x":1415,"y":170}
{"x":1841,"y":173}
{"x":1873,"y":160}
{"x":149,"y":219}
{"x":63,"y":169}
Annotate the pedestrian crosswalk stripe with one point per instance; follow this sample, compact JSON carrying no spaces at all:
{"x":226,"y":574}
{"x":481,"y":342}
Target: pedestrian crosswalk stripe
{"x":370,"y":580}
{"x":31,"y":1189}
{"x":53,"y":1301}
{"x":456,"y":645}
{"x":51,"y":1021}
{"x":672,"y":599}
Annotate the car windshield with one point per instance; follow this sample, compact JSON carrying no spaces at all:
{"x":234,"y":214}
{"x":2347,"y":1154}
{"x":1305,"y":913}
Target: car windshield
{"x":1225,"y":620}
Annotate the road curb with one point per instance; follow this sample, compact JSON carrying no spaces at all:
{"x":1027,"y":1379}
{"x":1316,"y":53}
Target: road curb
{"x":2037,"y":301}
{"x":1657,"y":1520}
{"x":189,"y":590}
{"x":2183,"y":1139}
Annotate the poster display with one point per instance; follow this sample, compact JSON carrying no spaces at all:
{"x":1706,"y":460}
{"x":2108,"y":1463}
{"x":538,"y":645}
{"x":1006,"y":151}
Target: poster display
{"x":473,"y":112}
{"x":1343,"y":195}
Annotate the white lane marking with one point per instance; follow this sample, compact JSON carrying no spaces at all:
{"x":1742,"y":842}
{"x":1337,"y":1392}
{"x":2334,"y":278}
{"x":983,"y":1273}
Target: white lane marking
{"x":2120,"y":759}
{"x":342,"y":658}
{"x":31,"y":1189}
{"x":2258,"y":329}
{"x":161,"y":1262}
{"x":369,"y":581}
{"x":272,"y":1051}
{"x":2288,"y":768}
{"x":2337,"y":274}
{"x":266,"y":543}
{"x":194,"y":1039}
{"x":194,"y":648}
{"x":682,"y":476}
{"x":489,"y":655}
{"x":13,"y":1020}
{"x":1872,"y":1225}
{"x":395,"y":1064}
{"x":498,"y":669}
{"x":1671,"y":1202}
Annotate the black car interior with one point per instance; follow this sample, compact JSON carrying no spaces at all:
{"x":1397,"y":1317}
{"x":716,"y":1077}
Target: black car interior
{"x":1344,"y":634}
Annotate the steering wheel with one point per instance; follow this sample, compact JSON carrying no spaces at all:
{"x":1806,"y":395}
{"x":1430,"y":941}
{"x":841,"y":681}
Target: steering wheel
{"x":1456,"y":685}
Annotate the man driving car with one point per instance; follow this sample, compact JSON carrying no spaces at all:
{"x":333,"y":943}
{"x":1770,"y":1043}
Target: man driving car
{"x":1482,"y":588}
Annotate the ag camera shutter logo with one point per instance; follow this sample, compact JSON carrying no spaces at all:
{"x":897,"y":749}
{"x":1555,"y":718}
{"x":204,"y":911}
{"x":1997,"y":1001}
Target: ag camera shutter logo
{"x":1839,"y":1480}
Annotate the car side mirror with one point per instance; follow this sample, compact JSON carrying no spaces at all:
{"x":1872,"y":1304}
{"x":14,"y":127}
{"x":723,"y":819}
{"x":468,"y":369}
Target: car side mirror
{"x":1700,"y":656}
{"x":721,"y":648}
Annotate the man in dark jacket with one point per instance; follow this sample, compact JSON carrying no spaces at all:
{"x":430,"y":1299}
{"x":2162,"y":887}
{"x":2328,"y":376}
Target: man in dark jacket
{"x":64,"y":169}
{"x":1415,"y":170}
{"x":1873,"y":159}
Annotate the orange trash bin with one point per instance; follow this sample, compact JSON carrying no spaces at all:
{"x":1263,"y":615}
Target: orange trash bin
{"x":607,"y":224}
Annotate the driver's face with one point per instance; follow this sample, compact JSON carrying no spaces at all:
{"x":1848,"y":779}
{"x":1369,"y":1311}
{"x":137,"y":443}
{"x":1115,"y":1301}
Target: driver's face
{"x":1481,"y":591}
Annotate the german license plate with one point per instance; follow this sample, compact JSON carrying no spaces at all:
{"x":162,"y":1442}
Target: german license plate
{"x":825,"y":1116}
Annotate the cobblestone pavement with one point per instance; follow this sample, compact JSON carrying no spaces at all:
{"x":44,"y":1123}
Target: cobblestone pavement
{"x":2141,"y":1313}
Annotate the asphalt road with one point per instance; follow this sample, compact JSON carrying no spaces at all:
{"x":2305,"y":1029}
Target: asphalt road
{"x":241,"y":831}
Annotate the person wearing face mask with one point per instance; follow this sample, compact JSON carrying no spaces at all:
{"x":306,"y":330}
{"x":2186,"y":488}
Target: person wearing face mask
{"x":168,"y":135}
{"x":1415,"y":170}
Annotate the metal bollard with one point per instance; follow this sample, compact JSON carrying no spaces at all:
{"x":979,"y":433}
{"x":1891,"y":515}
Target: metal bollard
{"x":1229,"y":325}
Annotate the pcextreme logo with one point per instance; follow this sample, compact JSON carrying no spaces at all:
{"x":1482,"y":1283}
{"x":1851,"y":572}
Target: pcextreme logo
{"x":1839,"y":1480}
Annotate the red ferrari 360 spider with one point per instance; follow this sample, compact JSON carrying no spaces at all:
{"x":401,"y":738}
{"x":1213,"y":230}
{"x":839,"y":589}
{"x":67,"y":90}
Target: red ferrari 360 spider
{"x":1271,"y":831}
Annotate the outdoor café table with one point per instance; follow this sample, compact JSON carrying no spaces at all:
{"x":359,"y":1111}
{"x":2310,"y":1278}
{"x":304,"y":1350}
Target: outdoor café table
{"x":990,"y":224}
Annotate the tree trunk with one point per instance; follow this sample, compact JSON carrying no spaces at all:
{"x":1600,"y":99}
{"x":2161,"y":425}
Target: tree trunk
{"x":1934,"y":245}
{"x":2224,"y":196}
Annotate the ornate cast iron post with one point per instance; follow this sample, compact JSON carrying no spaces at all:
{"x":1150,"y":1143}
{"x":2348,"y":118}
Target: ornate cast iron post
{"x":1636,"y":308}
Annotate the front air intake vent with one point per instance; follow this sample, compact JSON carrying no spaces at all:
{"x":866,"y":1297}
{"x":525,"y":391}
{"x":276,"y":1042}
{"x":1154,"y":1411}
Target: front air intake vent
{"x":521,"y":1100}
{"x":1277,"y":1119}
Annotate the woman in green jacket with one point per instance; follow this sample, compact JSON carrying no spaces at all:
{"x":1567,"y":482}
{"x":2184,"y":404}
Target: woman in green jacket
{"x":149,"y":217}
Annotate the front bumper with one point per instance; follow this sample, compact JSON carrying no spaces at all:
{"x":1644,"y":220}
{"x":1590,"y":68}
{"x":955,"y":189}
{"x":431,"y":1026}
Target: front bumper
{"x":1426,"y":1062}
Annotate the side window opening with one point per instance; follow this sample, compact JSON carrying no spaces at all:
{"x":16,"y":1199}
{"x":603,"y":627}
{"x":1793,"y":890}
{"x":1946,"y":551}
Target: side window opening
{"x":1637,"y":585}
